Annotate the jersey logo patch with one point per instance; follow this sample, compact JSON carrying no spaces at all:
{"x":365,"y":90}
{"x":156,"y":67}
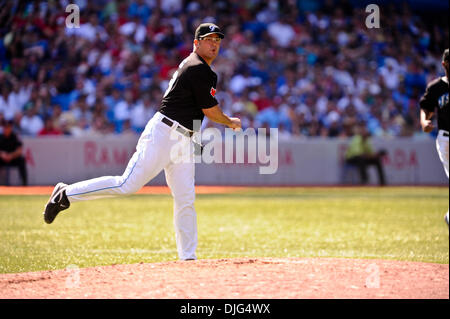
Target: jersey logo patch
{"x":443,"y":100}
{"x":213,"y":92}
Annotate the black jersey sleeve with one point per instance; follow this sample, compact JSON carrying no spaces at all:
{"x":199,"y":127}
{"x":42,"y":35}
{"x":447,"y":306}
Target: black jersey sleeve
{"x":203,"y":83}
{"x":429,"y":100}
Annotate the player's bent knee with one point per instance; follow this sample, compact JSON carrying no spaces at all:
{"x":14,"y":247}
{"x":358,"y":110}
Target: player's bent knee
{"x":128,"y":188}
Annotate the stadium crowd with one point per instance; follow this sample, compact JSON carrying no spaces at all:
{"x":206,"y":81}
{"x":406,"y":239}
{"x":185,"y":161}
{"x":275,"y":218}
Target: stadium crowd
{"x":307,"y":68}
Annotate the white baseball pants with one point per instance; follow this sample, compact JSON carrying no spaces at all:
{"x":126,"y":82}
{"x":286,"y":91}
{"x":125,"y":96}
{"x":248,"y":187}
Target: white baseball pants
{"x":442,"y":144}
{"x":442,"y":148}
{"x":159,"y":147}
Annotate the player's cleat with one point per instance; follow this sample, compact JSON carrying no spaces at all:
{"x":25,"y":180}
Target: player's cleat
{"x":58,"y":201}
{"x":446,"y":218}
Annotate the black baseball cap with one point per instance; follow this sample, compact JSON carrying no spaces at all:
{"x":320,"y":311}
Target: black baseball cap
{"x":445,"y":56}
{"x":205,"y":29}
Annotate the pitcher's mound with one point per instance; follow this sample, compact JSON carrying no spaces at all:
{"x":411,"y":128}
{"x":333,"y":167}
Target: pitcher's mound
{"x":246,"y":278}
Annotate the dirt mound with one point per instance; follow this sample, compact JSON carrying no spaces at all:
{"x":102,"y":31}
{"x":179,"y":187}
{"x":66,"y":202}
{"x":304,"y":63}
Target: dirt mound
{"x":254,"y":278}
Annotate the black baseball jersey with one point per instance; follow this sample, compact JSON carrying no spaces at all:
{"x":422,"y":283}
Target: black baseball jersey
{"x":436,"y":96}
{"x":191,"y":89}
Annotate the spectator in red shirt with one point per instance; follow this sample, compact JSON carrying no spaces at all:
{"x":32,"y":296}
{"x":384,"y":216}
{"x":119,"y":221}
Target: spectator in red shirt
{"x":263,"y":101}
{"x":49,"y":128}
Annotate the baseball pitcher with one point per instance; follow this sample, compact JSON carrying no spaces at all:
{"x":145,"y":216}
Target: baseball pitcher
{"x":189,"y":97}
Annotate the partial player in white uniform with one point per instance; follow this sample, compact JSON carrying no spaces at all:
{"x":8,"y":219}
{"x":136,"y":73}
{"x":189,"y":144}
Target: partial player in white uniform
{"x":436,"y":98}
{"x":189,"y":97}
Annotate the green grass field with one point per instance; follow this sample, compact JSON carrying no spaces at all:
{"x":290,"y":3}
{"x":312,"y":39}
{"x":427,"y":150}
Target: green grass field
{"x":384,"y":223}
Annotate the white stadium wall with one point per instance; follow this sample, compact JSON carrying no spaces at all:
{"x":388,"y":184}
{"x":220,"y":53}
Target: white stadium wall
{"x":300,"y":162}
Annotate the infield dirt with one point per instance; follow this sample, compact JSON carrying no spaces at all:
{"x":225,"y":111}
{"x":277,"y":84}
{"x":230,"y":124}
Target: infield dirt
{"x":254,"y":278}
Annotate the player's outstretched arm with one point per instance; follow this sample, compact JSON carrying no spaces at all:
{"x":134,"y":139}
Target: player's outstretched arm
{"x":425,"y":120}
{"x":215,"y":114}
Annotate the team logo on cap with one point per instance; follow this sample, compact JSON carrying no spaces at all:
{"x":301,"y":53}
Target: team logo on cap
{"x":211,"y":27}
{"x":213,"y":92}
